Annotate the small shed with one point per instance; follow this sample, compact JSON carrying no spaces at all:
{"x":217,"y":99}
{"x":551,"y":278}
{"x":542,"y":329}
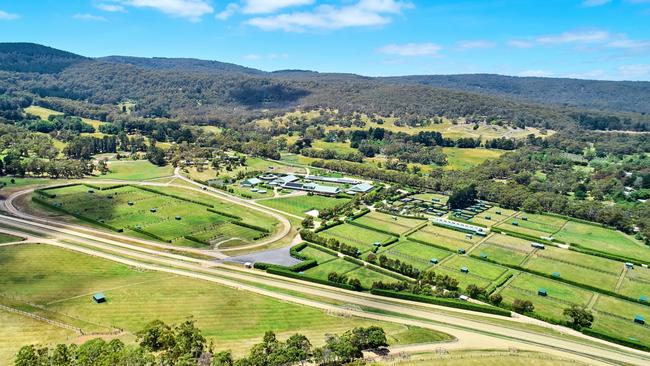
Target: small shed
{"x":99,"y":298}
{"x":91,"y":191}
{"x":515,"y":223}
{"x":542,"y":292}
{"x":130,"y":203}
{"x":639,"y":319}
{"x":464,"y":269}
{"x":248,"y":265}
{"x":555,"y":274}
{"x":498,"y":212}
{"x":177,"y":217}
{"x":537,"y":245}
{"x":525,"y":218}
{"x":484,"y":256}
{"x":461,"y":251}
{"x":629,"y":265}
{"x":488,"y":217}
{"x":468,"y":236}
{"x":643,"y":298}
{"x":262,"y":191}
{"x":434,"y":260}
{"x":153,"y":210}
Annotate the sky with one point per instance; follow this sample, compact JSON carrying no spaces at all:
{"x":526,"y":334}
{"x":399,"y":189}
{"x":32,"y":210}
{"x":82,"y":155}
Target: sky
{"x":587,"y":39}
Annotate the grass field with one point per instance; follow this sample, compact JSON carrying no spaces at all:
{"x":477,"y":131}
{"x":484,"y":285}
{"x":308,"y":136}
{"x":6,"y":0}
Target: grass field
{"x":415,"y":254}
{"x":367,"y":277}
{"x":603,"y":239}
{"x":429,"y":196}
{"x":500,"y":254}
{"x":339,"y":266}
{"x":172,"y":220}
{"x":6,"y":238}
{"x":476,"y":267}
{"x":298,"y":205}
{"x":450,"y":239}
{"x":45,"y":113}
{"x":463,"y":159}
{"x":319,"y":255}
{"x":393,"y":224}
{"x":62,"y":283}
{"x":356,"y":236}
{"x":136,"y":170}
{"x":483,"y":358}
{"x":495,"y":214}
{"x":591,"y":277}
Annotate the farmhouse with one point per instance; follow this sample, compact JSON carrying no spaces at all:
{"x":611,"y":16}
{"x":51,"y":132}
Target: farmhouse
{"x":251,"y":182}
{"x":459,"y":226}
{"x":360,"y":188}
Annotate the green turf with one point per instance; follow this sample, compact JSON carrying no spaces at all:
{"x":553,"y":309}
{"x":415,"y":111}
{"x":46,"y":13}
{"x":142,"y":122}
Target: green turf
{"x":500,"y":254}
{"x":319,"y":255}
{"x":603,"y":239}
{"x":298,"y":205}
{"x":464,"y":279}
{"x":494,"y":217}
{"x":356,"y":236}
{"x":367,"y":277}
{"x":447,"y":238}
{"x":136,"y":170}
{"x":591,"y":277}
{"x":464,"y":159}
{"x":476,"y":267}
{"x":6,"y":238}
{"x":393,"y":224}
{"x":556,"y":290}
{"x":339,"y":266}
{"x":415,"y":254}
{"x":580,"y":259}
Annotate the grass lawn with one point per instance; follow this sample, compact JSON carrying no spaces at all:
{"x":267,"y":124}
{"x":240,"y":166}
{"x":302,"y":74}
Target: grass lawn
{"x":298,"y":205}
{"x":591,"y":277}
{"x":622,"y":308}
{"x":624,"y":328}
{"x":415,"y":254}
{"x":500,"y":254}
{"x":62,"y":282}
{"x":367,"y":277}
{"x":356,"y":236}
{"x":447,"y":238}
{"x":136,"y":170}
{"x":394,"y":224}
{"x":510,"y":242}
{"x":339,"y":266}
{"x":317,"y":254}
{"x":463,"y":159}
{"x":556,"y":290}
{"x":476,"y":266}
{"x":464,"y":279}
{"x":484,"y":358}
{"x":603,"y":239}
{"x":20,"y":183}
{"x":494,"y":217}
{"x":6,"y":238}
{"x":430,"y":196}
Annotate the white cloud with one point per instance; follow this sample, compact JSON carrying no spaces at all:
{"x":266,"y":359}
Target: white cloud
{"x":476,"y":44}
{"x":227,"y":12}
{"x":591,"y":36}
{"x":113,"y":8}
{"x":8,"y":16}
{"x":634,"y":71}
{"x":363,"y":13}
{"x":537,"y":73}
{"x":592,"y":3}
{"x":518,"y":43}
{"x":89,"y":17}
{"x":252,"y":56}
{"x":630,"y":44}
{"x":591,"y":74}
{"x":188,"y":9}
{"x":271,"y":6}
{"x":411,"y":49}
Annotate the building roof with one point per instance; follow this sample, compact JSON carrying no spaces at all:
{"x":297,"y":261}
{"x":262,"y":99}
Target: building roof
{"x":98,"y":296}
{"x":362,"y":187}
{"x":326,"y":189}
{"x":252,"y":181}
{"x":288,"y":178}
{"x":332,"y":179}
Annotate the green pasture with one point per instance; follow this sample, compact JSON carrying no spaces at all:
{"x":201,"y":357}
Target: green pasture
{"x":636,"y":283}
{"x":367,"y":276}
{"x":464,"y":159}
{"x":624,"y":328}
{"x":494,"y":217}
{"x":510,"y":242}
{"x":447,"y":238}
{"x":500,"y":254}
{"x":298,"y":205}
{"x":591,"y":277}
{"x":477,"y":267}
{"x":580,"y":259}
{"x":339,"y":266}
{"x":464,"y":279}
{"x":604,"y":240}
{"x":415,"y":254}
{"x":394,"y":224}
{"x":136,"y":170}
{"x":556,"y":289}
{"x":319,"y":255}
{"x":359,"y":237}
{"x":6,"y":238}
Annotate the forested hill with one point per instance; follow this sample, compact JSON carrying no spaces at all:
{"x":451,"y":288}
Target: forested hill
{"x":199,"y":91}
{"x":630,"y":96}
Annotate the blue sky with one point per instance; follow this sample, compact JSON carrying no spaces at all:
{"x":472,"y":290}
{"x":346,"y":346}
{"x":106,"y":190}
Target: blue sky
{"x":595,"y":39}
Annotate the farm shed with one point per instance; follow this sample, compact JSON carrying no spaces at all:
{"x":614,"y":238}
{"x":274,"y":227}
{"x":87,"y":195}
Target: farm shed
{"x":639,"y":319}
{"x":464,"y":269}
{"x":542,"y":292}
{"x":251,"y":182}
{"x":361,"y":188}
{"x":99,"y":298}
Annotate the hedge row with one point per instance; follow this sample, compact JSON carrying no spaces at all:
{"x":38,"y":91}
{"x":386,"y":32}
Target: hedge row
{"x":615,"y":339}
{"x":324,"y":249}
{"x":459,"y":304}
{"x":523,"y":236}
{"x":174,"y":196}
{"x":398,"y":215}
{"x":359,"y":214}
{"x":294,"y":251}
{"x":327,"y":226}
{"x":374,"y":229}
{"x":356,"y":261}
{"x":226,"y":214}
{"x":498,"y":283}
{"x":286,"y":273}
{"x":390,"y":241}
{"x":80,"y":217}
{"x":411,"y":231}
{"x":196,"y":240}
{"x":302,"y":266}
{"x":150,"y":234}
{"x":430,"y":244}
{"x":388,"y":272}
{"x":254,"y":227}
{"x":46,"y":194}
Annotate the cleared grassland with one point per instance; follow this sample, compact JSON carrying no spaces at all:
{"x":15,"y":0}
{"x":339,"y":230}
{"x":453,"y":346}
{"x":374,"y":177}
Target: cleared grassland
{"x":616,"y":316}
{"x":415,"y":254}
{"x":636,"y":283}
{"x":604,"y":240}
{"x":63,"y":282}
{"x":494,"y":217}
{"x":356,"y":236}
{"x":449,"y":239}
{"x":44,"y":113}
{"x":339,"y":266}
{"x":6,"y":238}
{"x":477,"y":267}
{"x":194,"y":220}
{"x":510,"y":242}
{"x":500,"y":254}
{"x":463,"y":159}
{"x":136,"y":170}
{"x":393,"y":224}
{"x":580,"y":259}
{"x":367,"y":277}
{"x":591,"y":277}
{"x":319,"y":255}
{"x":483,"y":358}
{"x":298,"y":205}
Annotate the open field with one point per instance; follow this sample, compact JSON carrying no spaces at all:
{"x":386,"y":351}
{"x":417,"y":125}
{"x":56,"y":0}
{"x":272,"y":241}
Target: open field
{"x":482,"y":358}
{"x":171,"y":219}
{"x":604,"y":240}
{"x":584,"y":275}
{"x":367,"y":277}
{"x":45,"y":113}
{"x":415,"y":254}
{"x":6,"y":238}
{"x":136,"y":170}
{"x":339,"y":266}
{"x":319,"y":255}
{"x":500,"y":254}
{"x":356,"y":236}
{"x":533,"y":225}
{"x":298,"y":205}
{"x":62,"y":282}
{"x":447,"y":238}
{"x":463,"y":159}
{"x":492,"y":216}
{"x":442,"y":199}
{"x":393,"y":224}
{"x":476,"y":267}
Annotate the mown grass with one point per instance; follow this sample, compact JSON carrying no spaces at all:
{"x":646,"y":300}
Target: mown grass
{"x":415,"y":254}
{"x":450,"y":239}
{"x":484,"y":358}
{"x":6,"y":238}
{"x":393,"y":224}
{"x":339,"y":266}
{"x":356,"y":236}
{"x":298,"y":205}
{"x":136,"y":170}
{"x":463,"y":159}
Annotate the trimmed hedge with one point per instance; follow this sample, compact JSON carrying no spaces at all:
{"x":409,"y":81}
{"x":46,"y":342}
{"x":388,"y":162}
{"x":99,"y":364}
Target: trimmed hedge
{"x":498,"y":283}
{"x":173,"y":196}
{"x":431,"y":244}
{"x":294,"y":251}
{"x":80,"y":217}
{"x":226,"y":214}
{"x":150,"y":234}
{"x":196,"y":240}
{"x":374,"y":229}
{"x":459,"y":304}
{"x":326,"y":226}
{"x":283,"y":272}
{"x":356,"y":261}
{"x":254,"y":227}
{"x":324,"y":249}
{"x":523,"y":236}
{"x":580,"y":249}
{"x":615,"y":339}
{"x":303,"y":266}
{"x":411,"y":231}
{"x":359,"y":214}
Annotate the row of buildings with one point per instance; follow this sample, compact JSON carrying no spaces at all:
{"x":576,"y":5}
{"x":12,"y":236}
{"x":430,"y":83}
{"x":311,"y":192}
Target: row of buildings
{"x":311,"y":183}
